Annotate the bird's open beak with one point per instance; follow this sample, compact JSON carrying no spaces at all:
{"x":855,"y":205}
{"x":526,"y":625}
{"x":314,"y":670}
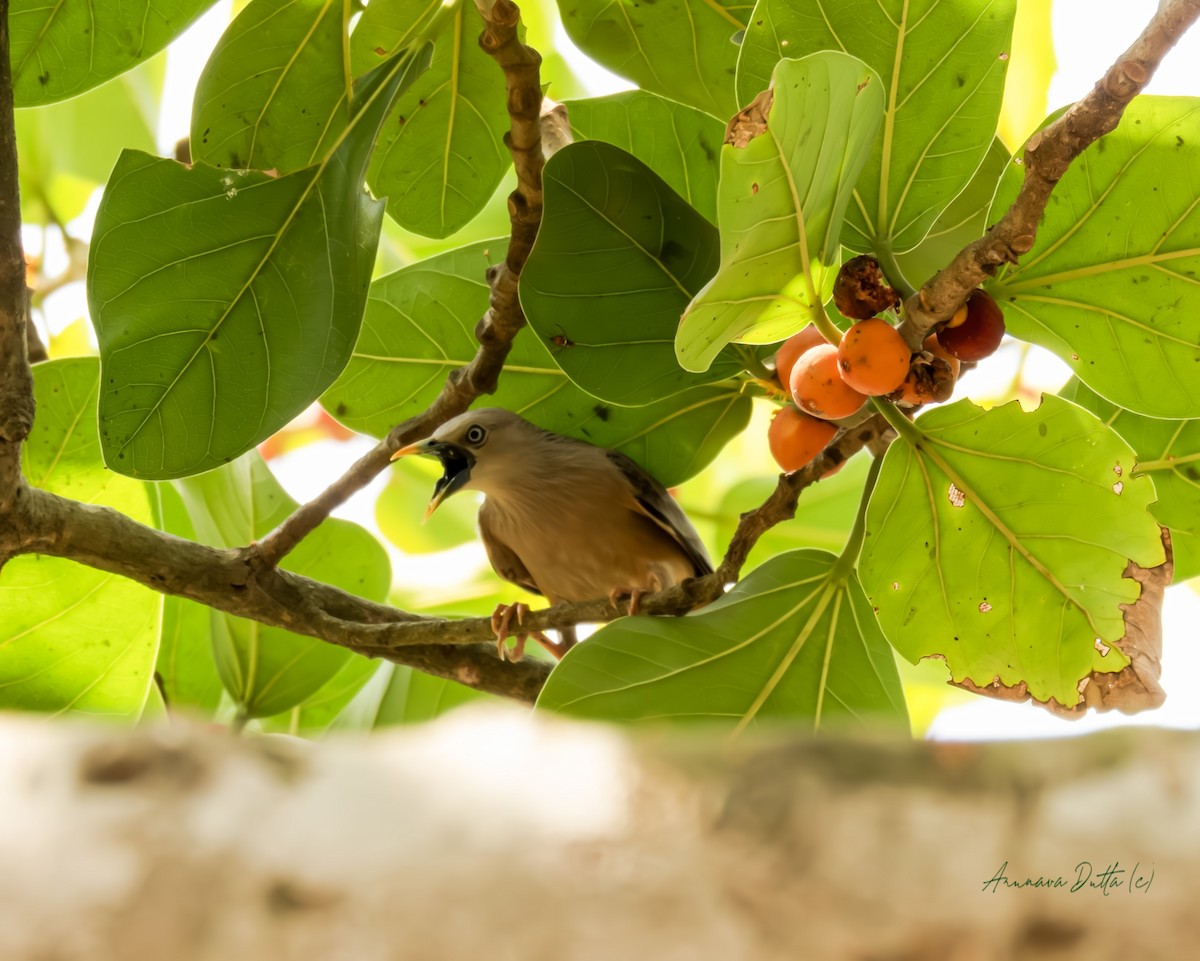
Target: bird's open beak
{"x":456,"y":467}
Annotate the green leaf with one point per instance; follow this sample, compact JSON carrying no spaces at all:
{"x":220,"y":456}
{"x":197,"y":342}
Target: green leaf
{"x":685,"y":50}
{"x":320,"y":710}
{"x":419,"y":326}
{"x":186,"y":670}
{"x":268,"y":670}
{"x":1168,"y":451}
{"x":794,"y":641}
{"x":66,"y":150}
{"x":275,"y":92}
{"x":618,"y":257}
{"x":225,"y":302}
{"x":964,"y":221}
{"x":782,"y":199}
{"x":60,"y":50}
{"x":400,"y":695}
{"x":386,"y":28}
{"x":72,"y":638}
{"x":1113,"y":283}
{"x":943,"y":66}
{"x":680,"y":144}
{"x":997,"y":540}
{"x":441,"y":153}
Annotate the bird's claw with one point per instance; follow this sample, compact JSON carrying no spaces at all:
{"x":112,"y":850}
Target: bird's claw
{"x":502,"y":618}
{"x":634,"y":595}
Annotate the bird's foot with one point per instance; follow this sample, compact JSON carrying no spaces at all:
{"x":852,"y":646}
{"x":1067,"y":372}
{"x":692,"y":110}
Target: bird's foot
{"x":634,"y":595}
{"x":502,"y":618}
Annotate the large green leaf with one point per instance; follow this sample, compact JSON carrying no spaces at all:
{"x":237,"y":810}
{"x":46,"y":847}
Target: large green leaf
{"x":62,"y":49}
{"x":618,"y":257}
{"x":943,"y":66}
{"x":682,"y":49}
{"x":419,"y":326}
{"x":268,"y":670}
{"x":782,"y":199}
{"x":225,"y":302}
{"x":73,"y":638}
{"x":679,"y":143}
{"x":66,"y":150}
{"x":1113,"y":283}
{"x":1167,"y":450}
{"x":795,"y":641}
{"x":964,"y":221}
{"x":186,"y":670}
{"x":997,"y":540}
{"x":441,"y":152}
{"x":275,"y":92}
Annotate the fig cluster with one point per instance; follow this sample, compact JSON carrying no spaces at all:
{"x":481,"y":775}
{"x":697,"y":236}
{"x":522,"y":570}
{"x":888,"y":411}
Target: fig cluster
{"x":828,"y":382}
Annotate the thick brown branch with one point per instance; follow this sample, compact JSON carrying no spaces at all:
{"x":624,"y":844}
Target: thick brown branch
{"x":16,"y":379}
{"x":496,"y":330}
{"x":227,"y":580}
{"x":1047,"y":156}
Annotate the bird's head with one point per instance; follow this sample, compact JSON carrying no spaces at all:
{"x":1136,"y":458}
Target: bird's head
{"x":474,"y":448}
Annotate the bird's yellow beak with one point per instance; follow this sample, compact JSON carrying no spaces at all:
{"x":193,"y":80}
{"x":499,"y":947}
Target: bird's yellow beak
{"x":456,"y":468}
{"x":425,"y":446}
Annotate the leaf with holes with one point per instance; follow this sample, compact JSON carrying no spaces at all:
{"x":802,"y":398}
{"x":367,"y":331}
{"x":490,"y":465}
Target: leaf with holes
{"x":1113,"y":283}
{"x":997,"y":540}
{"x":942,"y":66}
{"x":682,"y":49}
{"x":63,"y":49}
{"x":225,"y":302}
{"x":419,"y":326}
{"x":275,"y":92}
{"x":441,"y":151}
{"x":1168,"y":451}
{"x":795,"y":641}
{"x":72,"y":638}
{"x":780,"y":207}
{"x":268,"y":670}
{"x":679,"y":143}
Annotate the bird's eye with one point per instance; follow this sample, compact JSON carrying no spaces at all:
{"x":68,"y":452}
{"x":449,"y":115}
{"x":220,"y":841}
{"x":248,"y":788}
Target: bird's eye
{"x":475,"y":434}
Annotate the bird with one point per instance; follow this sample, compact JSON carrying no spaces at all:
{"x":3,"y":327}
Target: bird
{"x":563,"y":518}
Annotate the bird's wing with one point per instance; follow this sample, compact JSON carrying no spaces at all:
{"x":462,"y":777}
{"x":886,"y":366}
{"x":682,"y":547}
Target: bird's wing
{"x":661,"y":508}
{"x":503,"y":558}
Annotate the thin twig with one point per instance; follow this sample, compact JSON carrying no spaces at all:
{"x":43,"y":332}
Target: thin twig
{"x":1048,"y":154}
{"x":504,"y":318}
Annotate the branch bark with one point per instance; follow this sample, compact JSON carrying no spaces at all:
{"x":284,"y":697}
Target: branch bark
{"x":16,"y":379}
{"x":1047,"y":156}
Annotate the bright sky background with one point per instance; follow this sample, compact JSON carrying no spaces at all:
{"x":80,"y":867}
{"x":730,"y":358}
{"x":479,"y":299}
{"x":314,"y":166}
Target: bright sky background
{"x":1088,"y":36}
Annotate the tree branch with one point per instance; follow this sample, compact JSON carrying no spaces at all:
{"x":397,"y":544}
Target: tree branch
{"x":504,"y":318}
{"x":227,"y":580}
{"x":16,"y":379}
{"x":1048,"y":154}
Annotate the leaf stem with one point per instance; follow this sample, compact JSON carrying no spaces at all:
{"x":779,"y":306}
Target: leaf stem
{"x":849,"y":556}
{"x":892,"y":270}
